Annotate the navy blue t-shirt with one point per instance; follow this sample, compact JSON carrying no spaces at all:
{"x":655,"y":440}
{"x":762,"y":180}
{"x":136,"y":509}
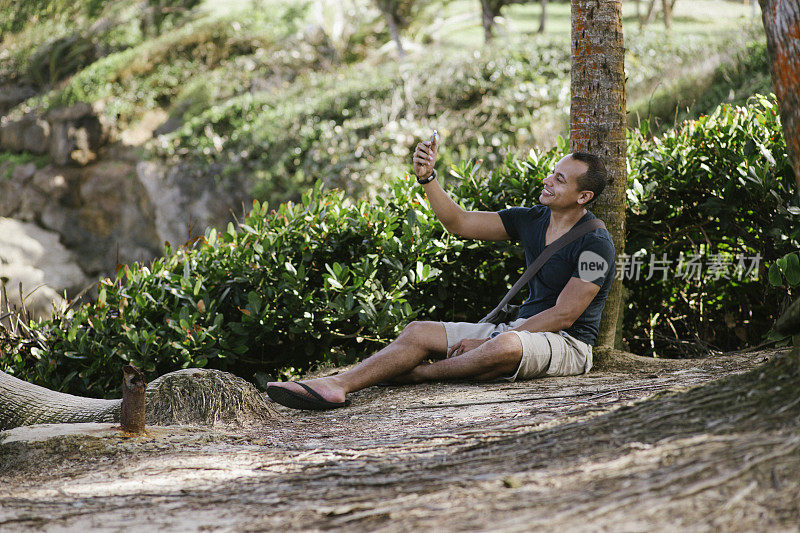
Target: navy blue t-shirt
{"x":582,"y":258}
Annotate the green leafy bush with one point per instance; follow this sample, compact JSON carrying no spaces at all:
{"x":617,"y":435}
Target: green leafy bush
{"x":720,"y":188}
{"x":328,"y":279}
{"x":356,"y":128}
{"x":322,"y":279}
{"x":785,"y":272}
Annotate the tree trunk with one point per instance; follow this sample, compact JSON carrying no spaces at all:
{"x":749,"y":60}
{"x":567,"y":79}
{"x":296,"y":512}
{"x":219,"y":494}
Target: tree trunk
{"x":666,"y":5}
{"x":23,"y":404}
{"x":597,"y":120}
{"x":543,"y":18}
{"x":487,"y":17}
{"x":648,"y":16}
{"x":132,"y":410}
{"x":394,"y":31}
{"x":191,"y":396}
{"x":782,"y":26}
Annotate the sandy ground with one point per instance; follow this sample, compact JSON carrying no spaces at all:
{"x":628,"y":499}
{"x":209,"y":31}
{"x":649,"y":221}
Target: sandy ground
{"x":553,"y":454}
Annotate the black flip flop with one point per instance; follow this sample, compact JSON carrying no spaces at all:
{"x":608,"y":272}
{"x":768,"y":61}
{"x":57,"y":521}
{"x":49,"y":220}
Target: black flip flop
{"x":295,"y":400}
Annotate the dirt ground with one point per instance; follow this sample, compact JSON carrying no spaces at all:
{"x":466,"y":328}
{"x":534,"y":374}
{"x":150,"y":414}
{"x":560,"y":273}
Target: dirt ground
{"x":639,"y":450}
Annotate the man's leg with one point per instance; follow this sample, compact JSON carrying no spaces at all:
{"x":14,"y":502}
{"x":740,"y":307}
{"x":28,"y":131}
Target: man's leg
{"x":417,"y":341}
{"x":494,"y":358}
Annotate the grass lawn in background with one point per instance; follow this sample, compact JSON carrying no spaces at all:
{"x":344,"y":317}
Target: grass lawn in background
{"x":459,"y":23}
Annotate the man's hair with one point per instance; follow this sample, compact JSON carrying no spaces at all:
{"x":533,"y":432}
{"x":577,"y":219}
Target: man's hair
{"x":595,"y":178}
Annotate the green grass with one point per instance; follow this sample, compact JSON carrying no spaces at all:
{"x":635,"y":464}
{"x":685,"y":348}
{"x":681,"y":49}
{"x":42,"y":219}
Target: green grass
{"x":458,"y":24}
{"x":9,"y":160}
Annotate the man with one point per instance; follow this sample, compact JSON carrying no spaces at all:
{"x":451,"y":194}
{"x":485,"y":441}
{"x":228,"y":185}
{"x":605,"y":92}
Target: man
{"x":557,"y":324}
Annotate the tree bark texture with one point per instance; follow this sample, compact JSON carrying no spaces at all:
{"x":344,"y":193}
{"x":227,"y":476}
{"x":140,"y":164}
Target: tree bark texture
{"x":782,"y":26}
{"x":132,"y":409}
{"x":597,"y":120}
{"x":195,"y":396}
{"x":23,"y":404}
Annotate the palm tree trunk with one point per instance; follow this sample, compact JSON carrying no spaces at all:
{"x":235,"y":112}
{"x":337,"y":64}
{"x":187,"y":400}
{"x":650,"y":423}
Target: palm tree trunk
{"x":782,"y":26}
{"x":597,"y":120}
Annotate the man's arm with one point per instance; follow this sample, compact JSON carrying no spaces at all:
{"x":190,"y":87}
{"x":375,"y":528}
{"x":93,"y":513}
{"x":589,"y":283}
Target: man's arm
{"x":483,"y":225}
{"x":572,"y":301}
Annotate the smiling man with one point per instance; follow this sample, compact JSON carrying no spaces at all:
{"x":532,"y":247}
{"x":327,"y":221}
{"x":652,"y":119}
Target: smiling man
{"x":557,"y":325}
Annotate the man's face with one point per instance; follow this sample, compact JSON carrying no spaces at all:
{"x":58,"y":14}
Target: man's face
{"x":561,"y":188}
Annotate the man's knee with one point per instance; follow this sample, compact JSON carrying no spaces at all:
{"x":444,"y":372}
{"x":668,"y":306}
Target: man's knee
{"x":423,"y":333}
{"x":505,"y":352}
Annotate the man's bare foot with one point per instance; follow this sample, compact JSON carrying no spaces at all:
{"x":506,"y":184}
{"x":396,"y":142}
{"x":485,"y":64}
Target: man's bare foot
{"x":325,"y":387}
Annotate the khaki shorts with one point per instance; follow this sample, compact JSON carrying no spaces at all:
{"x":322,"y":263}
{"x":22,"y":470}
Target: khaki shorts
{"x":543,"y":353}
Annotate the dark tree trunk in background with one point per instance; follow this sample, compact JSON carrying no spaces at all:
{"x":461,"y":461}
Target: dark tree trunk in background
{"x":597,"y":120}
{"x":487,"y":18}
{"x":645,"y":19}
{"x":398,"y":15}
{"x":394,"y":31}
{"x":782,"y":26}
{"x":543,"y":18}
{"x":666,"y":5}
{"x":491,"y":9}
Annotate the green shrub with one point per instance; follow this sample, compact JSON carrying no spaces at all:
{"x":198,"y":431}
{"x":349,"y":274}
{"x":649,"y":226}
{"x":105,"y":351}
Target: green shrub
{"x":720,"y":187}
{"x":356,"y":128}
{"x":323,"y":279}
{"x":328,"y":279}
{"x":742,"y":72}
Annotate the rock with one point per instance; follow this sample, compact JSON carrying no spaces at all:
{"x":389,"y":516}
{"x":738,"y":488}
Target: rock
{"x":185,"y":204}
{"x":37,"y":259}
{"x":12,"y":133}
{"x":76,"y":133}
{"x":52,"y":182}
{"x":36,"y":137}
{"x":31,"y":204}
{"x":104,"y":215}
{"x":22,"y":173}
{"x":9,"y":197}
{"x":11,"y":95}
{"x":71,"y":113}
{"x":60,"y":146}
{"x":115,"y":210}
{"x":29,"y":133}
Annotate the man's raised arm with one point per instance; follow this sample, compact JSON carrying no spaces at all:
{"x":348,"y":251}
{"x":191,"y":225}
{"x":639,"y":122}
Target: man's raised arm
{"x":483,"y":225}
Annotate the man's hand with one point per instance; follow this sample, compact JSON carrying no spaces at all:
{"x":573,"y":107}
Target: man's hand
{"x":425,"y":158}
{"x":463,"y":346}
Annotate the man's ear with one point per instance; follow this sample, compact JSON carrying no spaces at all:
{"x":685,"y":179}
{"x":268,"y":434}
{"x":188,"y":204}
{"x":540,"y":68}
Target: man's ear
{"x":585,"y":197}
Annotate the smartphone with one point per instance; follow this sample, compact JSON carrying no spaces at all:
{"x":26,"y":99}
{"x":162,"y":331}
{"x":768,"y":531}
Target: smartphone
{"x":433,"y":137}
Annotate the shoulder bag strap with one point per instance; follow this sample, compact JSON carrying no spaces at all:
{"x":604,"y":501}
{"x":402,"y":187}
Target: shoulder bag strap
{"x":547,"y":253}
